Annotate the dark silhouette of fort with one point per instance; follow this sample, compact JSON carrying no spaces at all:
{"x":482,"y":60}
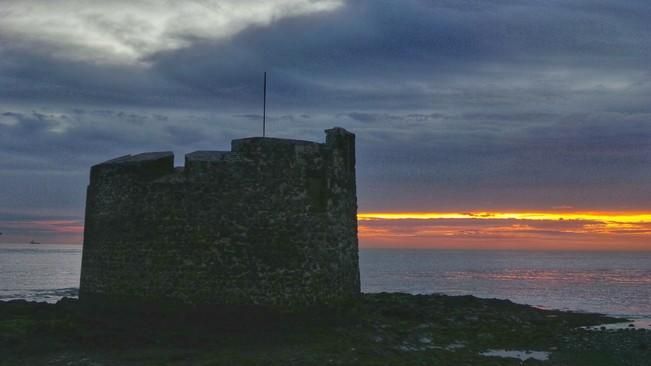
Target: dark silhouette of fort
{"x":271,"y":222}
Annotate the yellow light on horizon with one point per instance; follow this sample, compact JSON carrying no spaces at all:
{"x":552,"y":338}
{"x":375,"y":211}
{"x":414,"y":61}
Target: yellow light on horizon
{"x":618,"y":217}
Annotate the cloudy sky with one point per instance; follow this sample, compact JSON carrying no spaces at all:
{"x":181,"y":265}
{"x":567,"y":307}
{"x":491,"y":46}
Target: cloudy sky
{"x":469,"y":108}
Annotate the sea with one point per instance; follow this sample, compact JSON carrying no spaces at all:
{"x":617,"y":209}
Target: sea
{"x":613,"y":283}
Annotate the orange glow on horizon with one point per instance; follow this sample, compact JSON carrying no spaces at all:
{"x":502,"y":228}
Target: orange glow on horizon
{"x":540,"y":230}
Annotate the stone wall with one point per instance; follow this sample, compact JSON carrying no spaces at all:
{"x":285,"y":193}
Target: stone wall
{"x":271,"y":222}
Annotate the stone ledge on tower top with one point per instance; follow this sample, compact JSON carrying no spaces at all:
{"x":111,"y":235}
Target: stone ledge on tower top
{"x":150,"y":165}
{"x":143,"y":158}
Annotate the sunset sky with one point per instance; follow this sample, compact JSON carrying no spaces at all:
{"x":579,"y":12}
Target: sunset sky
{"x":480,"y":124}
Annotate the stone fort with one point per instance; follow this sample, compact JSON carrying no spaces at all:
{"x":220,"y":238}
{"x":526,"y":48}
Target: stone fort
{"x":271,"y":222}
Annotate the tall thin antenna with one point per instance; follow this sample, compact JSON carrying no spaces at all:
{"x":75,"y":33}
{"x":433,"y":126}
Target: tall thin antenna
{"x":264,"y":107}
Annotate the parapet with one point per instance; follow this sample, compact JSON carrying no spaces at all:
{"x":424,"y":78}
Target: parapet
{"x":154,"y":165}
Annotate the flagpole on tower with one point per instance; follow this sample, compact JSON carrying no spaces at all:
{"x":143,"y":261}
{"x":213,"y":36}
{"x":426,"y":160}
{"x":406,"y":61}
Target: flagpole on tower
{"x":264,"y":107}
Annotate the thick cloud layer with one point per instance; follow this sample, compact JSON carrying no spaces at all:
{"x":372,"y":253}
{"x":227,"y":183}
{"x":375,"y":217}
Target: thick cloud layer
{"x":458,"y":105}
{"x":121,"y":31}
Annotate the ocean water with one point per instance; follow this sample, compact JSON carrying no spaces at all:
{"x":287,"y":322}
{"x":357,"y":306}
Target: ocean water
{"x":610,"y":283}
{"x":39,"y":272}
{"x":614,"y":283}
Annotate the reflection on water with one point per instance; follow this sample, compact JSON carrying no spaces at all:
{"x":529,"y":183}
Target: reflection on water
{"x":612,"y":283}
{"x":634,"y":277}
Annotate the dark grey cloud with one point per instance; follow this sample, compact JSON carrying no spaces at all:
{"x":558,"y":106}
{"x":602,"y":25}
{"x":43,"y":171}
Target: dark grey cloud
{"x":587,"y":162}
{"x":457,"y":104}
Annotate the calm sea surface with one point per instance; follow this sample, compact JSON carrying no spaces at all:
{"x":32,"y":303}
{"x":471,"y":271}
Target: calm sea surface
{"x":39,"y":272}
{"x":612,"y":283}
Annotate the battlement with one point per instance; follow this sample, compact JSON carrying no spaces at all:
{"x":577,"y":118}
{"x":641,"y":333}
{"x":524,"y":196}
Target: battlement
{"x":273,"y":221}
{"x":156,"y":165}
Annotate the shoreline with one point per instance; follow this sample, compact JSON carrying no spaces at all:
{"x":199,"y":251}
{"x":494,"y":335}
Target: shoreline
{"x":377,"y":329}
{"x":71,"y":293}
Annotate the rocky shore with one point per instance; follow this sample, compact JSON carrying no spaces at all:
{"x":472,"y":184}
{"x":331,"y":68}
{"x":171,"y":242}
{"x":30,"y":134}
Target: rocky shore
{"x":378,"y":329}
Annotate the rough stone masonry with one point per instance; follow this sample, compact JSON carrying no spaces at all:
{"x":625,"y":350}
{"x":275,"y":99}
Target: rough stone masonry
{"x":271,"y":222}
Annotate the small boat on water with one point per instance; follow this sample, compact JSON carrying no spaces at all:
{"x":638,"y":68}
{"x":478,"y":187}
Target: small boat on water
{"x":34,"y":242}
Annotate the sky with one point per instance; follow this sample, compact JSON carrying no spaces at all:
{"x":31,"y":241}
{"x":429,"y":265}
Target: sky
{"x":480,"y":123}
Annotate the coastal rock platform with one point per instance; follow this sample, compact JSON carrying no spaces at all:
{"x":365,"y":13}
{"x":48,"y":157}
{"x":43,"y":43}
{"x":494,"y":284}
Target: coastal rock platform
{"x":376,"y":329}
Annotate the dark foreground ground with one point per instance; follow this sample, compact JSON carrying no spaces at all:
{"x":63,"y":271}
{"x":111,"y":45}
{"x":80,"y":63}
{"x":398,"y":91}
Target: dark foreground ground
{"x":379,"y":329}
